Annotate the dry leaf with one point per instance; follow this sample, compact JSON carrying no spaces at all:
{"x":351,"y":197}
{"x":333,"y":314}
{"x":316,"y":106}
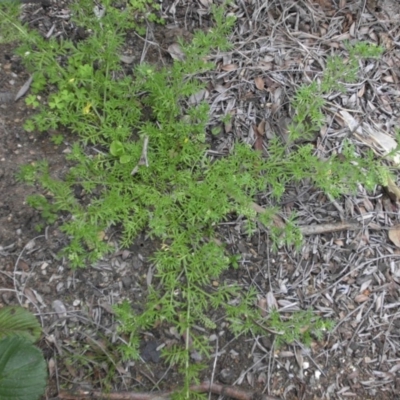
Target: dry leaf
{"x":385,"y":142}
{"x":229,"y":67}
{"x":271,"y":302}
{"x":385,"y":101}
{"x":51,"y":365}
{"x":228,"y":125}
{"x":50,"y":32}
{"x":304,"y":329}
{"x":262,"y":305}
{"x":30,"y":295}
{"x":127,"y":59}
{"x":386,"y":41}
{"x":149,"y":276}
{"x":325,"y":4}
{"x":262,"y":378}
{"x":352,"y":29}
{"x":196,"y":356}
{"x":286,"y":354}
{"x":261,"y":127}
{"x":381,"y":143}
{"x":198,"y":97}
{"x":368,"y":205}
{"x":351,"y":122}
{"x":23,"y":265}
{"x":258,"y":144}
{"x":106,"y":306}
{"x":250,"y":378}
{"x":392,"y":190}
{"x":389,"y":79}
{"x":364,"y":287}
{"x":259,"y":83}
{"x":59,"y":308}
{"x":25,"y":87}
{"x":299,"y":358}
{"x":361,"y":92}
{"x":176,"y":52}
{"x":278,"y":221}
{"x":361,"y":298}
{"x":394,"y":235}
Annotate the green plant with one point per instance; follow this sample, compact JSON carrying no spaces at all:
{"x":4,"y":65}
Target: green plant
{"x":363,"y":50}
{"x":57,"y":139}
{"x":31,"y":100}
{"x":145,"y":10}
{"x":152,"y":172}
{"x":10,"y":28}
{"x":27,"y":174}
{"x":300,"y":326}
{"x":97,"y":360}
{"x":48,"y":211}
{"x":22,"y":366}
{"x":309,"y":99}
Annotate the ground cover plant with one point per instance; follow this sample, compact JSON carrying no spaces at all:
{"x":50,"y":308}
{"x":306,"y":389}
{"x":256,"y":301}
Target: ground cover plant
{"x":19,"y":357}
{"x":10,"y":29}
{"x":151,"y":171}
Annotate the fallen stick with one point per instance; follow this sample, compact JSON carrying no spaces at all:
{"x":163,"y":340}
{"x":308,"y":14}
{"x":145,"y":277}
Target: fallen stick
{"x":205,"y":387}
{"x":329,"y":228}
{"x":319,"y":229}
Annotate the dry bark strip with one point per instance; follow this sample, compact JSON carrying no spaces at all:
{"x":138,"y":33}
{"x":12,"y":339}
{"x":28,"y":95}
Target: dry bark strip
{"x":205,"y":387}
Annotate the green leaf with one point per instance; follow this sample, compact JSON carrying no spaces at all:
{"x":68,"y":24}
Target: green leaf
{"x":22,"y":370}
{"x":19,"y":322}
{"x":29,"y":125}
{"x":117,"y":148}
{"x":125,"y":159}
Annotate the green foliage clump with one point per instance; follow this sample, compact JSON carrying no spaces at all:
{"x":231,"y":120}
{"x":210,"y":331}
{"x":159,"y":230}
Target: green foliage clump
{"x":151,"y":171}
{"x":309,"y":100}
{"x":23,"y":370}
{"x":10,"y":27}
{"x":301,"y":326}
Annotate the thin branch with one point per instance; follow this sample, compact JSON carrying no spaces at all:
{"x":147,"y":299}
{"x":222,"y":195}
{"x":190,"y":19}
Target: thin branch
{"x":205,"y":387}
{"x":320,"y":229}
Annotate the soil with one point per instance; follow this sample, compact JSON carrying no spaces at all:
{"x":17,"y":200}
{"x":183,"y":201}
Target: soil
{"x":359,"y":359}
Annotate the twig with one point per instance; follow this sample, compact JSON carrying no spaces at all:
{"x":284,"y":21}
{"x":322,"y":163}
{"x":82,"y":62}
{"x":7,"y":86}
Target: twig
{"x":143,"y":158}
{"x":214,"y":366}
{"x":329,"y":228}
{"x":215,"y":388}
{"x":317,"y":229}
